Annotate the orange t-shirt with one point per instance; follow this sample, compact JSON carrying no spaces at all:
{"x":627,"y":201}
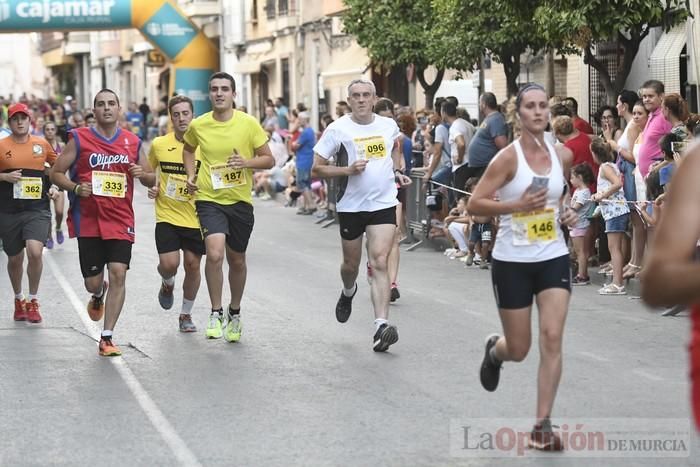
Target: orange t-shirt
{"x":31,"y":192}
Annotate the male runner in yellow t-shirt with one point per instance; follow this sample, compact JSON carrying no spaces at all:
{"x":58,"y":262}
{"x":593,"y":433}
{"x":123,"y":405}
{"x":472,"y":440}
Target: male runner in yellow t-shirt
{"x":232,"y":144}
{"x":177,"y":226}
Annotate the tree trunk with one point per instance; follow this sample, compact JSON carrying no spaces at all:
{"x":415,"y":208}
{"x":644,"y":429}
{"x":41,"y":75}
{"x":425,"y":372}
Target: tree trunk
{"x":550,"y":84}
{"x":631,"y":47}
{"x":430,"y":89}
{"x":603,"y":75}
{"x":511,"y":68}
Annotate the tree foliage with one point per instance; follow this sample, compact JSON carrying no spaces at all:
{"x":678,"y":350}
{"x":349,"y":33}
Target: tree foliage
{"x":468,"y":29}
{"x":395,"y":32}
{"x":625,"y":23}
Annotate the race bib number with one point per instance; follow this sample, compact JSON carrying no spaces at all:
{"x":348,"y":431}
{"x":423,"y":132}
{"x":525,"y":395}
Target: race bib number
{"x":370,"y":148}
{"x":176,"y":188}
{"x":223,"y":176}
{"x":28,"y":188}
{"x":530,"y":228}
{"x":110,"y":184}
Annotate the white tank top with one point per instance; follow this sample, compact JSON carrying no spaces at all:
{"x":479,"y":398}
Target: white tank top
{"x":623,"y":142}
{"x":531,"y":237}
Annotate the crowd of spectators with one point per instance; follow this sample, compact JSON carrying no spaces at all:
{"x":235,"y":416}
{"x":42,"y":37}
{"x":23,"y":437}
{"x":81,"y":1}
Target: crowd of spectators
{"x":623,"y":162}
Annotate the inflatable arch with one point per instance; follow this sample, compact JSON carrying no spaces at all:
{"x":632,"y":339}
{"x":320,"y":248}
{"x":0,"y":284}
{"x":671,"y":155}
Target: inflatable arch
{"x":193,"y":56}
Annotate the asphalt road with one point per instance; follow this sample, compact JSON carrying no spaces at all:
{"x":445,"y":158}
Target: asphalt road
{"x":301,"y":389}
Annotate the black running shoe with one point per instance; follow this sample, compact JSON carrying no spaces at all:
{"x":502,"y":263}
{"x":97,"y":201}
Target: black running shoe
{"x":490,"y":371}
{"x":384,"y":337}
{"x":344,"y":307}
{"x":395,"y":295}
{"x":544,"y":438}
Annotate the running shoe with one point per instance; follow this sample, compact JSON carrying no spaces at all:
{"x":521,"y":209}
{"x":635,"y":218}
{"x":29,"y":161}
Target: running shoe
{"x":385,"y":336}
{"x":215,"y":327}
{"x":49,"y":243}
{"x":369,"y":273}
{"x":165,"y":295}
{"x":33,"y":315}
{"x":232,"y":332}
{"x":344,"y":306}
{"x":107,"y":348}
{"x":59,"y":237}
{"x":490,"y":370}
{"x":580,"y":280}
{"x":96,"y":305}
{"x":20,"y":310}
{"x":186,"y":324}
{"x":395,"y":295}
{"x":543,"y":438}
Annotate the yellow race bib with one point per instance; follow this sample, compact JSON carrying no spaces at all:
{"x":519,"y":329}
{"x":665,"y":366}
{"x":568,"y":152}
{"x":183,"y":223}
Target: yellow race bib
{"x":176,"y":188}
{"x":28,"y":188}
{"x":534,"y":227}
{"x":373,"y":147}
{"x":110,"y":184}
{"x":223,"y":176}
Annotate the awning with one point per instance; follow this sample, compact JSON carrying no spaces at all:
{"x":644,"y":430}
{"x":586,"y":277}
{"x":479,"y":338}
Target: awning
{"x":664,"y":63}
{"x":56,"y":57}
{"x":247,"y":67}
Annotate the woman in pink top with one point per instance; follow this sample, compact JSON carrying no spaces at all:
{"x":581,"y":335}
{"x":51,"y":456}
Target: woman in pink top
{"x":656,"y":127}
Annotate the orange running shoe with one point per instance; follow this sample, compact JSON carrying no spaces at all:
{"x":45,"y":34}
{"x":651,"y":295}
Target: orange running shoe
{"x":96,"y":305}
{"x":33,"y":315}
{"x":108,"y":349}
{"x":20,"y":310}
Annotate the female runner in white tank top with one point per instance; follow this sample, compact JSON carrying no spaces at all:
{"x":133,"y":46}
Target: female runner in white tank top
{"x":530,"y":256}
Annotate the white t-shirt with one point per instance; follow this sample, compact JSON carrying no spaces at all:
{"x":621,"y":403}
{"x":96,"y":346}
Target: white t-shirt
{"x":4,"y":133}
{"x":466,"y":129}
{"x":347,"y":141}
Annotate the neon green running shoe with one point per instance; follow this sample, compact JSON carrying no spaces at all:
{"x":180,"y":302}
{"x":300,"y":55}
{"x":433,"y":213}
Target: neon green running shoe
{"x":232,"y":333}
{"x":215,"y":326}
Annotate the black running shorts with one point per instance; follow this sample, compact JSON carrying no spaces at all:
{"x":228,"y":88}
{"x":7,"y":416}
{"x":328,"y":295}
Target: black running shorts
{"x":171,"y":238}
{"x":353,"y":224}
{"x":95,"y":253}
{"x":234,"y":220}
{"x":515,"y":284}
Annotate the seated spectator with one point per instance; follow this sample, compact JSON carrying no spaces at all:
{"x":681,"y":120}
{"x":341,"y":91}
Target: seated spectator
{"x":456,"y":227}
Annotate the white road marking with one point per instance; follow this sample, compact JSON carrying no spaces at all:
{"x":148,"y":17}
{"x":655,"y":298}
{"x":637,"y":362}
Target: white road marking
{"x":176,"y":444}
{"x":647,"y":375}
{"x":593,"y":356}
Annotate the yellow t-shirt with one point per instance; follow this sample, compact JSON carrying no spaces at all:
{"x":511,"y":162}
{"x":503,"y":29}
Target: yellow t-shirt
{"x":174,"y":203}
{"x":216,"y":141}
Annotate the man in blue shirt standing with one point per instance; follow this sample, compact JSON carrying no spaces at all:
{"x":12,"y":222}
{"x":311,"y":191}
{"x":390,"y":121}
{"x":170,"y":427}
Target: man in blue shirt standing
{"x":304,"y":148}
{"x":134,"y":118}
{"x":282,"y":114}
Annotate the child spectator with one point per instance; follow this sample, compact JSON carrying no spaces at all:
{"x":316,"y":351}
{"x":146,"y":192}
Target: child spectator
{"x":614,"y":209}
{"x":581,"y":179}
{"x":480,"y":235}
{"x":457,"y":223}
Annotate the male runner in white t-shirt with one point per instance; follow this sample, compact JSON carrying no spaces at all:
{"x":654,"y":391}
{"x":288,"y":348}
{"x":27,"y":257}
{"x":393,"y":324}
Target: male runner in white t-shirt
{"x":366,"y":148}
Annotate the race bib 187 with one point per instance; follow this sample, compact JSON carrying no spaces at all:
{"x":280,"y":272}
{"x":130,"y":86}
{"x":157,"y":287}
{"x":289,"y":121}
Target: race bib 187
{"x":223,"y":176}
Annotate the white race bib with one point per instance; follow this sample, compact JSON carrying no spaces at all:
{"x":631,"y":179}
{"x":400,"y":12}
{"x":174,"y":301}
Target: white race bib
{"x":534,"y":227}
{"x":223,"y":176}
{"x":110,"y":184}
{"x":28,"y":188}
{"x":176,"y":188}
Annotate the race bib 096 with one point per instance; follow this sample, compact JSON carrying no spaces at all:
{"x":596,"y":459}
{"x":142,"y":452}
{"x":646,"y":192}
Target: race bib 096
{"x":373,"y":147}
